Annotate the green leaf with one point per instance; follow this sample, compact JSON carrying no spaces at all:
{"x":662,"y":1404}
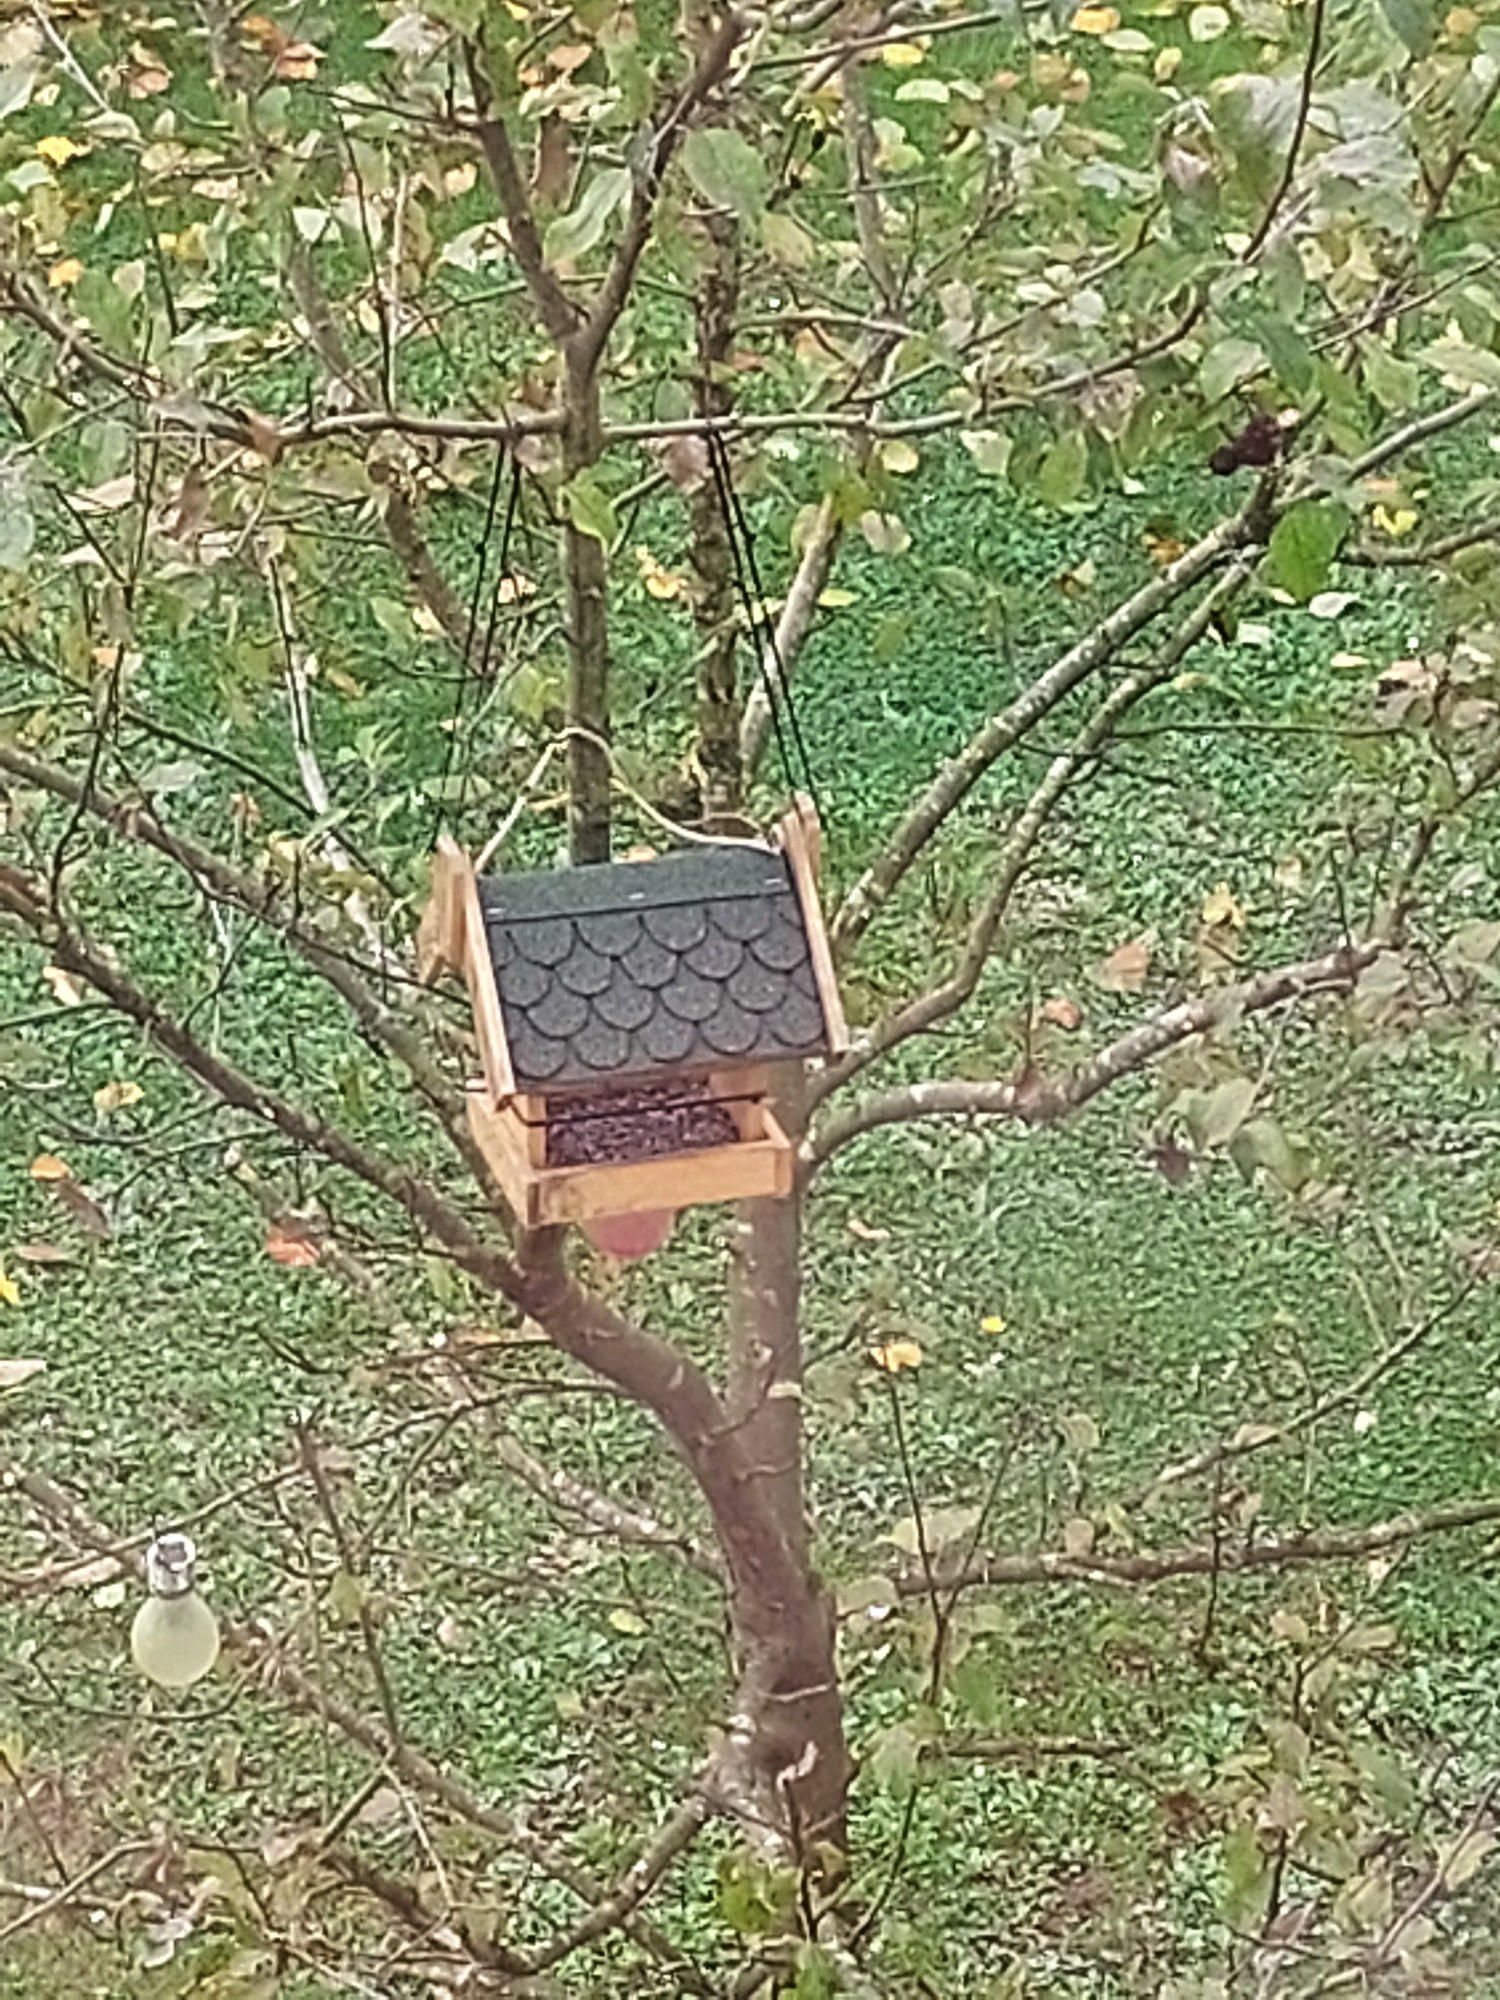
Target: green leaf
{"x":1063,"y":471}
{"x":726,"y":170}
{"x":1247,"y":1875}
{"x":786,"y":239}
{"x":816,"y":1978}
{"x":975,"y":1687}
{"x":1214,"y":1116}
{"x":573,"y":235}
{"x":990,"y":451}
{"x":17,"y":530}
{"x":1263,"y":1143}
{"x":394,"y":619}
{"x":1465,"y":366}
{"x":1413,"y":23}
{"x":17,"y":84}
{"x":590,"y":508}
{"x":893,"y":1759}
{"x":1304,"y":543}
{"x":1226,"y":363}
{"x":1394,"y":384}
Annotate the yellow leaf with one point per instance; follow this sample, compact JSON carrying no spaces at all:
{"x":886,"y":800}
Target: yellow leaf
{"x":48,"y":1167}
{"x":10,"y":1291}
{"x":1459,"y":23}
{"x":660,"y":582}
{"x":902,"y":55}
{"x":1395,"y":522}
{"x":896,"y":455}
{"x":1167,"y":64}
{"x":1095,"y":21}
{"x":67,"y":271}
{"x":628,"y":1622}
{"x":992,"y":1323}
{"x":1221,"y":906}
{"x":117,"y":1095}
{"x":835,"y":598}
{"x":57,"y":149}
{"x":895,"y":1355}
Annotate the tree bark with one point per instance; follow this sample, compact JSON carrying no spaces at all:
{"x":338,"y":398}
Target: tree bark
{"x":720,"y":770}
{"x":785,"y":1751}
{"x":585,"y":570}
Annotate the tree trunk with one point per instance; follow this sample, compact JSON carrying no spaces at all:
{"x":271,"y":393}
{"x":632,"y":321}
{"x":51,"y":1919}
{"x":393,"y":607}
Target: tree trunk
{"x":786,"y":1746}
{"x":585,"y":568}
{"x":720,"y":772}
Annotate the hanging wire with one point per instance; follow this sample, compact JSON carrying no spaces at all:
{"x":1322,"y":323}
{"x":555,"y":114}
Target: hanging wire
{"x":468,"y":674}
{"x":502,"y":576}
{"x":774,"y":676}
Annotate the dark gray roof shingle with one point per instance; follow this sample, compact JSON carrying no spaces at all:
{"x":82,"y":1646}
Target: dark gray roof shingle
{"x":618,"y":972}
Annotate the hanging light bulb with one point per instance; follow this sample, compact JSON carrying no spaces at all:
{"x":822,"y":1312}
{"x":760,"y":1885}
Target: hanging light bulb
{"x":174,"y":1639}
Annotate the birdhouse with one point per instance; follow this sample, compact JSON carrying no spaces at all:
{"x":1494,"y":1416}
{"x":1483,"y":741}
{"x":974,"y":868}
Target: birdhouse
{"x":629,"y":1016}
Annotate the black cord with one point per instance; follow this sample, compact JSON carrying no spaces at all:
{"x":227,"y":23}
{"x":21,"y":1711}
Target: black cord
{"x":502,"y":573}
{"x":775,"y":678}
{"x":465,"y":676}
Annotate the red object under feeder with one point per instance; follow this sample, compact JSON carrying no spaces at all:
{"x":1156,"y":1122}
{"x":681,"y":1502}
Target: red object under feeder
{"x":629,"y":1236}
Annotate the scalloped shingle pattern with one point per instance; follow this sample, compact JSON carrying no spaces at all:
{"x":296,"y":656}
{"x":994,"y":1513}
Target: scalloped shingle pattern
{"x":634,"y":969}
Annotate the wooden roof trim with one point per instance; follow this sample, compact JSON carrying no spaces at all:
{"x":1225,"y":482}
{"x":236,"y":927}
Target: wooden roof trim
{"x":479,"y":971}
{"x":800,"y":837}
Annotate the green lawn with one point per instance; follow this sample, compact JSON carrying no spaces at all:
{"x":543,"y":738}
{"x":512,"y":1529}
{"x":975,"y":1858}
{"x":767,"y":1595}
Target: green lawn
{"x":574,"y":1681}
{"x":179,"y":1355}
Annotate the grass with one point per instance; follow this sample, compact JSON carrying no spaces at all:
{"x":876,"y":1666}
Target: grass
{"x":576,"y":1681}
{"x":179,"y":1356}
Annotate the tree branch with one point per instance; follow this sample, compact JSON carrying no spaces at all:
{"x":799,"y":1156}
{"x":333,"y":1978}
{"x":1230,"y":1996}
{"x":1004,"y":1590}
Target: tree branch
{"x":1267,"y":223}
{"x":1149,"y":1566}
{"x":958,"y":778}
{"x":941,"y":1002}
{"x":560,"y":315}
{"x":792,"y":627}
{"x":260,"y":899}
{"x":1046,"y":1103}
{"x":484,"y":1261}
{"x":588,"y":344}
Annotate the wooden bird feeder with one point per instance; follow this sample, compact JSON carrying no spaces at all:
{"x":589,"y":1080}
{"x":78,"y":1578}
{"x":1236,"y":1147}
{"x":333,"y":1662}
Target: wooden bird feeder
{"x":628,"y":1017}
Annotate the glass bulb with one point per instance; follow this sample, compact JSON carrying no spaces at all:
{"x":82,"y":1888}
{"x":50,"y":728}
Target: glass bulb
{"x":174,"y":1638}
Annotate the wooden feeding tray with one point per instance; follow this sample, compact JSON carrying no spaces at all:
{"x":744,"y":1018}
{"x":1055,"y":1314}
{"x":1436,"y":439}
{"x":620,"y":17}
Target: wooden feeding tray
{"x":629,"y":1016}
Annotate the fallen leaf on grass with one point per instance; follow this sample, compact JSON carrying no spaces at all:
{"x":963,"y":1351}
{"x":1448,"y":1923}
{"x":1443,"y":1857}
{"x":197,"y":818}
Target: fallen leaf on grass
{"x":117,"y":1095}
{"x":893,"y":1356}
{"x":83,"y":1208}
{"x":864,"y":1233}
{"x":14,"y":1373}
{"x":57,"y":149}
{"x":42,"y":1253}
{"x":10,"y":1291}
{"x":1221,"y":906}
{"x":1124,"y":971}
{"x":149,"y":75}
{"x":48,"y":1167}
{"x":1062,"y":1012}
{"x":291,"y":1243}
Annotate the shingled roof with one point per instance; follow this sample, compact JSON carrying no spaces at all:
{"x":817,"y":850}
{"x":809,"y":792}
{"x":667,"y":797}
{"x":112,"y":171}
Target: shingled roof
{"x":625,"y":971}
